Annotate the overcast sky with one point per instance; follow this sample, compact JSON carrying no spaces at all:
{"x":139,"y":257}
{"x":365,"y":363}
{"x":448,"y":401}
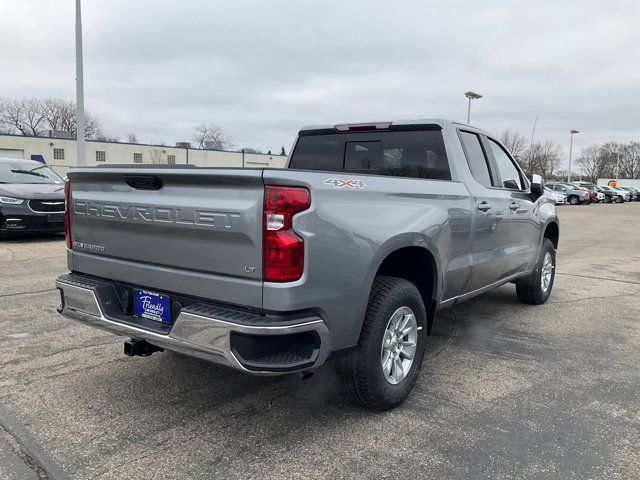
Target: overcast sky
{"x":262,"y":69}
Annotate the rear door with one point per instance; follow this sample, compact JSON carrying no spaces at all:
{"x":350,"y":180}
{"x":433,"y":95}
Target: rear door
{"x":191,"y":231}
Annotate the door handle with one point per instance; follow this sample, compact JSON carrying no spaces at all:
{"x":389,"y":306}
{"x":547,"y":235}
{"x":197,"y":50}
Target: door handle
{"x":514,"y":206}
{"x":484,"y":206}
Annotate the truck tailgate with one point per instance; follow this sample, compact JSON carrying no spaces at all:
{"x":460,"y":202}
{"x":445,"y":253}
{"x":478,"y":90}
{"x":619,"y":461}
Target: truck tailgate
{"x":192,"y":231}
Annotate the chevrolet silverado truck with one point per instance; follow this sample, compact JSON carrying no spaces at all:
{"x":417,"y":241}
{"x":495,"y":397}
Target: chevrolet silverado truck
{"x":346,"y":254}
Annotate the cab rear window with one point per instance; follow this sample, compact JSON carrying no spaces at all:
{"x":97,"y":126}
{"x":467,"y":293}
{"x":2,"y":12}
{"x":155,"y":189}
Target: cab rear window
{"x":416,"y":154}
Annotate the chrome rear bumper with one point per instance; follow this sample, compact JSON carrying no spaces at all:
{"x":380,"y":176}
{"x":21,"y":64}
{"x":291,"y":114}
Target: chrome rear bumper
{"x":201,"y":330}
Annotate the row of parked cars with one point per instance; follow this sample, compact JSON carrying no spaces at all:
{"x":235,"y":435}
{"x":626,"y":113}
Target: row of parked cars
{"x":583,"y":193}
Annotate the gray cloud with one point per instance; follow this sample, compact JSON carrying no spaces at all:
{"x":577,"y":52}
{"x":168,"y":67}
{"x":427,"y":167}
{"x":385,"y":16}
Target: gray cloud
{"x":263,"y":69}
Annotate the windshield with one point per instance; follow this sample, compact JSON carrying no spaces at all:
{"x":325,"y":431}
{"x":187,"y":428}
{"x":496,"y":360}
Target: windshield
{"x":27,"y":173}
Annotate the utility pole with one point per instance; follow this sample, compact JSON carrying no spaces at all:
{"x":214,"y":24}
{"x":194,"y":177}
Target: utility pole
{"x":80,"y":157}
{"x":572,"y":132}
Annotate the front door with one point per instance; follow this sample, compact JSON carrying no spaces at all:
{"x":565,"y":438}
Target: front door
{"x":522,"y":228}
{"x":491,"y":214}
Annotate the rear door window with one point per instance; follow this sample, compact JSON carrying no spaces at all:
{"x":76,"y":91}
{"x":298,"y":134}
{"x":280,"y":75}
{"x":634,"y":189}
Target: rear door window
{"x":416,"y":154}
{"x":318,"y":152}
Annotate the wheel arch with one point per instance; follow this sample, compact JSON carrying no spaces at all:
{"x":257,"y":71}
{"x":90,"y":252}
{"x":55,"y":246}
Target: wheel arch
{"x":408,"y":260}
{"x":552,"y":232}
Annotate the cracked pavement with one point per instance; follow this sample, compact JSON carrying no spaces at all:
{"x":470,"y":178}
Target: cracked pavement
{"x":506,"y":391}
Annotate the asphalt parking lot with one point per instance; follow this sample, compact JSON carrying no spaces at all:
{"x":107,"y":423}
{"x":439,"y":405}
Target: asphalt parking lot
{"x":507,"y":390}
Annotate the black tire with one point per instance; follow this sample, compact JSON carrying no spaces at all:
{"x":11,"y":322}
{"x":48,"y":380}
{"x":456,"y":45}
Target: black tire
{"x":530,"y":289}
{"x":619,"y":200}
{"x":607,"y":199}
{"x":360,"y":371}
{"x":574,"y":200}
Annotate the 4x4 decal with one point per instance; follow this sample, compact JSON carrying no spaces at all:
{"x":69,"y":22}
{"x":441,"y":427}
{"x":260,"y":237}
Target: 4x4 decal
{"x":340,"y":183}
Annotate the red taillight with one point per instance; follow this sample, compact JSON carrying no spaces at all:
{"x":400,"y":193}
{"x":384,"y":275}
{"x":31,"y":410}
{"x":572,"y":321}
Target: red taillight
{"x":283,"y":249}
{"x":67,"y":212}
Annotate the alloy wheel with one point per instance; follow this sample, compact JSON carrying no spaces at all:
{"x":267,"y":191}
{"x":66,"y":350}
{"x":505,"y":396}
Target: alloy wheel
{"x":399,"y":345}
{"x":546,"y":272}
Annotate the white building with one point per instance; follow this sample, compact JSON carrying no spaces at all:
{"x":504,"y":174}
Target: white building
{"x":60,"y":154}
{"x":622,"y":182}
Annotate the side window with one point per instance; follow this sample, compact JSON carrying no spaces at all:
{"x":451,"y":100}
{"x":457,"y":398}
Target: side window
{"x":475,"y":157}
{"x":509,"y":173}
{"x":318,"y":152}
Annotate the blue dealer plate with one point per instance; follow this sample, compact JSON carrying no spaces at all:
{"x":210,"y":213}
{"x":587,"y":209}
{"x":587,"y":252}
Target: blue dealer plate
{"x":152,"y":306}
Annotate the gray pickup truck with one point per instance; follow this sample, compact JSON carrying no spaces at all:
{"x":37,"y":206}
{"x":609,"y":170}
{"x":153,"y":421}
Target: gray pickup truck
{"x":345,"y":254}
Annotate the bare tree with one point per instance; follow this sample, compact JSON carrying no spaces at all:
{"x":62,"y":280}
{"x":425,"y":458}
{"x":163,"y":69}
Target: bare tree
{"x":591,"y":162}
{"x":211,"y":136}
{"x":251,"y":150}
{"x":610,"y":153}
{"x":36,"y":117}
{"x":24,"y":116}
{"x":132,"y":137}
{"x":630,"y":160}
{"x":516,"y":144}
{"x":157,"y":156}
{"x":59,"y":113}
{"x":544,"y":158}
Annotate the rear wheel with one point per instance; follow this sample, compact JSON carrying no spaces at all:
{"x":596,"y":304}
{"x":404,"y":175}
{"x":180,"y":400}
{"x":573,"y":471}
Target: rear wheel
{"x":382,"y":370}
{"x":574,"y":200}
{"x":536,"y":288}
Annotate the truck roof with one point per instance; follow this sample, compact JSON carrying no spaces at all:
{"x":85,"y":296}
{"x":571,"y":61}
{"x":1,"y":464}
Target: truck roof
{"x":420,"y":121}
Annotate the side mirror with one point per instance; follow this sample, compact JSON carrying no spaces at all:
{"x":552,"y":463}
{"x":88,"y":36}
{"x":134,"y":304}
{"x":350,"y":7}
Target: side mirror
{"x":537,"y":185}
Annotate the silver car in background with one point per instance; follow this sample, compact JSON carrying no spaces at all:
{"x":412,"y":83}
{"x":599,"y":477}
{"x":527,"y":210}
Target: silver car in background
{"x":558,"y":197}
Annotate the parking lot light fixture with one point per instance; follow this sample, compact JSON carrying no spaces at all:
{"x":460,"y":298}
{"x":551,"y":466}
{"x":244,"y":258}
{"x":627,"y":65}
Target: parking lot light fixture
{"x":572,"y":132}
{"x":471,"y":96}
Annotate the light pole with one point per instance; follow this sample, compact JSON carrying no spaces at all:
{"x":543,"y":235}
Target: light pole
{"x":471,"y":96}
{"x":572,"y":132}
{"x":79,"y":90}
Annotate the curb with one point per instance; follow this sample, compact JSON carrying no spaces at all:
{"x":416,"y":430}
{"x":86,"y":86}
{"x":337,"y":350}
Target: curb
{"x":30,"y":446}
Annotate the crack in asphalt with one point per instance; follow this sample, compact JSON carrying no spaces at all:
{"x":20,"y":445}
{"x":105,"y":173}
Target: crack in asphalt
{"x":22,"y":455}
{"x":598,"y":278}
{"x":637,"y":292}
{"x":18,"y":361}
{"x":27,"y":293}
{"x":454,"y":334}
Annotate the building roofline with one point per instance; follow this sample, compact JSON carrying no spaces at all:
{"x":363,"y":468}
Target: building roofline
{"x":111,"y":142}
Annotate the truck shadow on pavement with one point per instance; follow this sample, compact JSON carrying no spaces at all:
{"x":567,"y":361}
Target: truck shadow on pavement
{"x":184,"y":387}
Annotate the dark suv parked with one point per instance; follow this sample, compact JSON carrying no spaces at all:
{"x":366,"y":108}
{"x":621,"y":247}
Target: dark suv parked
{"x":609,"y":195}
{"x":31,"y":197}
